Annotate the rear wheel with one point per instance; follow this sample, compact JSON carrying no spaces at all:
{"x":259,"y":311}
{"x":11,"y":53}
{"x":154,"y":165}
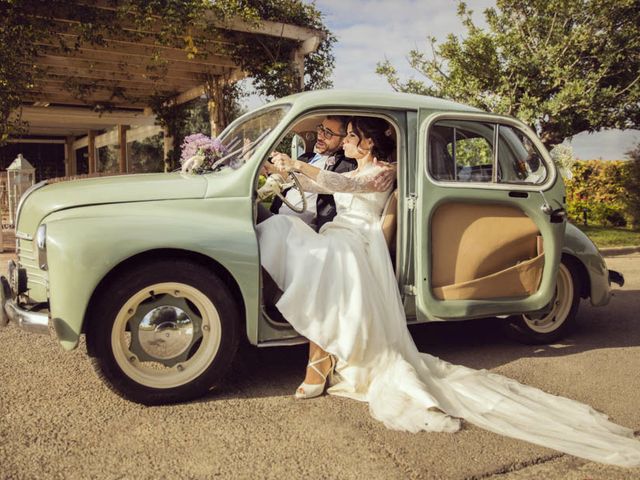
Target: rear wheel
{"x":558,"y":322}
{"x":164,"y":332}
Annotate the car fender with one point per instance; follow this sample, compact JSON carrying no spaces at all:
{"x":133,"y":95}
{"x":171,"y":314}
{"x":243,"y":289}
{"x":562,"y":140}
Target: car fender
{"x":578,"y":245}
{"x":85,"y":244}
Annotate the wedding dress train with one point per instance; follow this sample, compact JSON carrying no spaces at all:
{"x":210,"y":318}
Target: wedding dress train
{"x":340,"y":291}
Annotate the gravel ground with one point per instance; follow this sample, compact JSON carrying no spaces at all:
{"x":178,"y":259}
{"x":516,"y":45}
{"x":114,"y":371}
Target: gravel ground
{"x":58,"y":420}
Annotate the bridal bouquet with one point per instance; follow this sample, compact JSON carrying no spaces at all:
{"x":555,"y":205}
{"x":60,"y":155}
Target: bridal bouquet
{"x":200,"y":153}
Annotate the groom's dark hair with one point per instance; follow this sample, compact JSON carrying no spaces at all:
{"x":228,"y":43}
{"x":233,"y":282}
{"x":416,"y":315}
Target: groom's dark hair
{"x":343,"y":119}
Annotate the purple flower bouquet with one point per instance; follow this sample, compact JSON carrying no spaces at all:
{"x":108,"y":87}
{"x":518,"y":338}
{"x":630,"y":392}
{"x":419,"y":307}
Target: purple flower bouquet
{"x":200,"y":153}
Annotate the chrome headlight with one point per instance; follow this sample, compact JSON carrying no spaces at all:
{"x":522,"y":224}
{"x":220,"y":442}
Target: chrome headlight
{"x":41,"y":246}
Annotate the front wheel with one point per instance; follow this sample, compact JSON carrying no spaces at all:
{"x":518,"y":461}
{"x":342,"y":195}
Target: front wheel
{"x":558,"y":322}
{"x":164,"y":332}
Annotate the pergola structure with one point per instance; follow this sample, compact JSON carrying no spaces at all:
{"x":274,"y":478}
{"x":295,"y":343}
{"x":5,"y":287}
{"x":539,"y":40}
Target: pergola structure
{"x":124,"y":75}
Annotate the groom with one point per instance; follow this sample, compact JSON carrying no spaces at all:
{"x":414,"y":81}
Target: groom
{"x":321,"y":208}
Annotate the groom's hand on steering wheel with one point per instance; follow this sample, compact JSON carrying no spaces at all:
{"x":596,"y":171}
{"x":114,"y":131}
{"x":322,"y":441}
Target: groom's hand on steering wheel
{"x":283,"y":162}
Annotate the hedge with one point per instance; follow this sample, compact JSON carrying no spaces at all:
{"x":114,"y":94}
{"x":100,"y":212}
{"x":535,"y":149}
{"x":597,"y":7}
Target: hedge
{"x":609,"y":191}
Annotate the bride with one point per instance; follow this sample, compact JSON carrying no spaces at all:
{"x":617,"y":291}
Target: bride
{"x":340,"y":292}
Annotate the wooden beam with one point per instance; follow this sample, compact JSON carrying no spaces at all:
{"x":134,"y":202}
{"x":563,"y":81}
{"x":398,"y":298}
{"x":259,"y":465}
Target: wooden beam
{"x":54,"y":79}
{"x":67,"y":99}
{"x":37,"y":140}
{"x":53,"y":116}
{"x":310,"y":45}
{"x":122,"y":52}
{"x":130,"y":72}
{"x":91,"y":145}
{"x":190,"y":94}
{"x":264,"y":27}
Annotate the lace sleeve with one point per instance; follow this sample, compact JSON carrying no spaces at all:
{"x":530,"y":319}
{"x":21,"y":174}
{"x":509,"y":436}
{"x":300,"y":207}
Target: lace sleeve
{"x":331,"y":182}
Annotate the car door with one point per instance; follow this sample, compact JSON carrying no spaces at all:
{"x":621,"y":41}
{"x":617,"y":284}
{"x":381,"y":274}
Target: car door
{"x":489,"y":218}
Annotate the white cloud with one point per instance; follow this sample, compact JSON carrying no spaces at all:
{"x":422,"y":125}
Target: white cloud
{"x":370,"y":31}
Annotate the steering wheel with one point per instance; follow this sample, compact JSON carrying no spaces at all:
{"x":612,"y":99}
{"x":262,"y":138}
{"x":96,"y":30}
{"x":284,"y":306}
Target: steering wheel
{"x":298,"y":187}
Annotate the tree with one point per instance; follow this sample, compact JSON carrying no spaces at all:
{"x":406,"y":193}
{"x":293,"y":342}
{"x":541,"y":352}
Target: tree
{"x":632,"y":185}
{"x":27,"y":25}
{"x":561,"y":66}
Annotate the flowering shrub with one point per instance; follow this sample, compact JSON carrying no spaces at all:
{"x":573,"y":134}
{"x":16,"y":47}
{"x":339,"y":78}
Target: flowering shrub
{"x":200,"y":153}
{"x":600,"y":188}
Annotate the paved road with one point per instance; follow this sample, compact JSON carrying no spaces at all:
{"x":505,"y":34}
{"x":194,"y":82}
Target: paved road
{"x":57,"y":420}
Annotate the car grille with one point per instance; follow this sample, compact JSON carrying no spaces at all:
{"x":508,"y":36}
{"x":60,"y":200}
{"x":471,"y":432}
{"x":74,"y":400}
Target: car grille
{"x":27,"y":260}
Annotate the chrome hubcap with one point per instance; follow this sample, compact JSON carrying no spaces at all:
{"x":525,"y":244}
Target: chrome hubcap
{"x":166,"y":335}
{"x":165,"y":332}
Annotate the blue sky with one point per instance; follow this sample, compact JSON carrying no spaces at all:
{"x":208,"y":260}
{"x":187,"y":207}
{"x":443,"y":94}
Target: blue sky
{"x":369,"y":31}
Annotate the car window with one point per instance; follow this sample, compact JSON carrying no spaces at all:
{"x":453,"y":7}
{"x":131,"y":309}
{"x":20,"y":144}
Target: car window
{"x":464,"y":151}
{"x":243,"y":137}
{"x":461,"y":151}
{"x":519,"y":159}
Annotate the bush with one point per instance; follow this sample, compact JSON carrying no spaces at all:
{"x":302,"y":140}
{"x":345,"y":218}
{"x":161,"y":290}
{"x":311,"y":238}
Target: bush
{"x":600,"y":187}
{"x":632,"y":185}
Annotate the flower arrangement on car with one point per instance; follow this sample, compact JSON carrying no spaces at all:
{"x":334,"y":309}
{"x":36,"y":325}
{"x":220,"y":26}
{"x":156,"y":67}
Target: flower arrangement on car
{"x":201,"y":154}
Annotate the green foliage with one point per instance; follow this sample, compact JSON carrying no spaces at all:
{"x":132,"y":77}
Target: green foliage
{"x":600,"y":187}
{"x":561,"y":66}
{"x":268,"y":59}
{"x":632,"y":185}
{"x":146,"y":156}
{"x":472,"y":152}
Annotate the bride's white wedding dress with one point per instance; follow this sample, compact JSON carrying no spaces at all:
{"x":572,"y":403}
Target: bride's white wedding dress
{"x":340,"y":291}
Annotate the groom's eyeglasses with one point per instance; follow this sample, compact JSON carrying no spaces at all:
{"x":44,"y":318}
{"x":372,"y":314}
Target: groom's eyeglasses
{"x":326,"y":133}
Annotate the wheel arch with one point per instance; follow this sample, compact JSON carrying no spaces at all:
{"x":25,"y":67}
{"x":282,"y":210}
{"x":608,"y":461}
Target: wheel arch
{"x":150,"y":256}
{"x":581,"y":270}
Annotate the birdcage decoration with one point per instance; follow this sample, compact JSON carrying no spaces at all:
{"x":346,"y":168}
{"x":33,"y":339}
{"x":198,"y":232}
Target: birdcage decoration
{"x":20,"y":176}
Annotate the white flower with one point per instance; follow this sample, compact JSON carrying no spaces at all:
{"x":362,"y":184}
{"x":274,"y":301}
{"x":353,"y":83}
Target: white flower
{"x":271,"y":187}
{"x":193,"y":162}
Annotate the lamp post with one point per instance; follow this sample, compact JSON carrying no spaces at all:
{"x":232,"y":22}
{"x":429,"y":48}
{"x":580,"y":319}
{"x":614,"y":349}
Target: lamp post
{"x":20,"y":176}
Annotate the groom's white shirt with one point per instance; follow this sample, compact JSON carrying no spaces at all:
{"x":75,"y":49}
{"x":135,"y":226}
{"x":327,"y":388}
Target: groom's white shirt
{"x":294,"y":197}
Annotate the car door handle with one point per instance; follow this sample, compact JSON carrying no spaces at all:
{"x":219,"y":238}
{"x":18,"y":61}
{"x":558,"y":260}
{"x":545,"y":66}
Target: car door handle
{"x":517,"y":194}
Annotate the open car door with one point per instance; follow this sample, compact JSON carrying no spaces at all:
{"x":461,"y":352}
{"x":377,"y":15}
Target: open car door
{"x":490,"y":218}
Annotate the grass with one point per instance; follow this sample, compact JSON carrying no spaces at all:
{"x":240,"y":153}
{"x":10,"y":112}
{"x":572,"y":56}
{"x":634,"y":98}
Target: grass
{"x":611,"y":236}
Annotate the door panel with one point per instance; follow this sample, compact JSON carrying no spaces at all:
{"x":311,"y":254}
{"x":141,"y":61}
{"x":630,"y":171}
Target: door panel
{"x":486,"y":242}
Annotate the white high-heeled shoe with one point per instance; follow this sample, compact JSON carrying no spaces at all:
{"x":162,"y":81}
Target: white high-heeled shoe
{"x":309,"y":390}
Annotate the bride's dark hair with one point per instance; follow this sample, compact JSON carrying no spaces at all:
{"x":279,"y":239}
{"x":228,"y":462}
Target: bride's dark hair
{"x":379,"y":131}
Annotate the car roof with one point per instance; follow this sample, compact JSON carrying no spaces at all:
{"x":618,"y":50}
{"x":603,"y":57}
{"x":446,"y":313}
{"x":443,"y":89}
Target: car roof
{"x":363,"y":98}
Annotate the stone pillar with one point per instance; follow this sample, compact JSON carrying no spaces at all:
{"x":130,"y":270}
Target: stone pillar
{"x":122,"y":141}
{"x":298,"y":64}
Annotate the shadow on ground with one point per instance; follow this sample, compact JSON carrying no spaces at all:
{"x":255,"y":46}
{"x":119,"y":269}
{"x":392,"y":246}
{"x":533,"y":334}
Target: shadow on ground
{"x":477,"y":344}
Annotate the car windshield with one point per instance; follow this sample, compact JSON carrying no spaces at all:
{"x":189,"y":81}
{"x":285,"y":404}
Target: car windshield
{"x":242,"y":139}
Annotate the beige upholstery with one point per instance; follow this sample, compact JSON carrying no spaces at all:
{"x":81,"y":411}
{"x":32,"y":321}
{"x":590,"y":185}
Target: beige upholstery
{"x":484,"y":251}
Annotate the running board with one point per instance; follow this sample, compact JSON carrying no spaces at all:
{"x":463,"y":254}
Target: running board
{"x":285,"y":342}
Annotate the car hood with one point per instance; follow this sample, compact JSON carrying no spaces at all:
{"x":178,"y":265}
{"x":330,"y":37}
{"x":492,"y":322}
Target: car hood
{"x":106,"y":190}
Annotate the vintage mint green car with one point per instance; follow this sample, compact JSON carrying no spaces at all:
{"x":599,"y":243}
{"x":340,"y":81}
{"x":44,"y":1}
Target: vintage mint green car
{"x":162,"y":274}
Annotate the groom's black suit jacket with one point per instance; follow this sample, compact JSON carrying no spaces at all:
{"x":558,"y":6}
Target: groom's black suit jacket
{"x":325,"y":204}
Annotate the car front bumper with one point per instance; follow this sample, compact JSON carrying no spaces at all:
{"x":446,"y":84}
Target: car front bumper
{"x":10,"y":310}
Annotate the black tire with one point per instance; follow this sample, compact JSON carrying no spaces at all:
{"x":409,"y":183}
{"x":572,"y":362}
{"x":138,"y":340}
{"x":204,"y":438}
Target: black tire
{"x":551,"y":327}
{"x":185,"y":308}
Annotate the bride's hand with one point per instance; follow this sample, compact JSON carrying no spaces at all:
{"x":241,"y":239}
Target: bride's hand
{"x":384,"y":180}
